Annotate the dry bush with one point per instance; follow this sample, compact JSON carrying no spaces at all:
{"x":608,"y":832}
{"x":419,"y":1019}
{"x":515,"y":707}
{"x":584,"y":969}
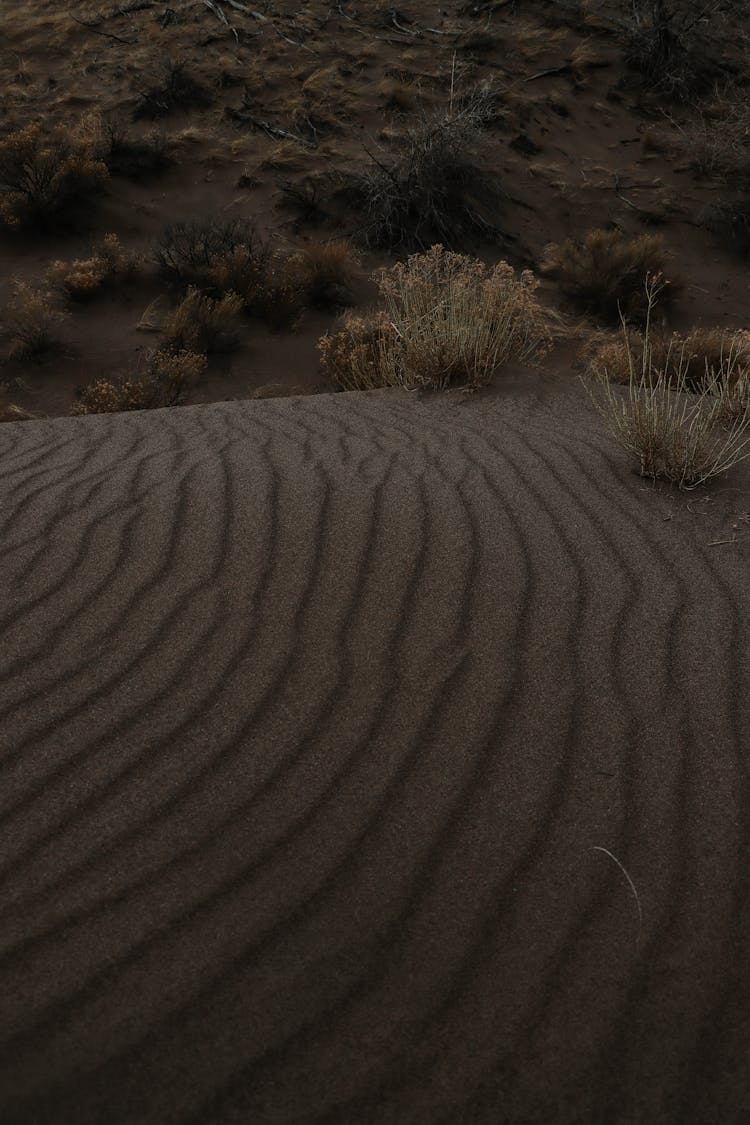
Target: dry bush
{"x":448,"y":320}
{"x":202,"y":324}
{"x":111,"y":396}
{"x":213,"y":255}
{"x":167,"y":377}
{"x":435,"y":189}
{"x":43,"y":174}
{"x":717,"y":143}
{"x":175,"y":88}
{"x":325,"y":272}
{"x":730,"y":222}
{"x":133,"y":156}
{"x":84,"y":277}
{"x":606,"y":274}
{"x":354,"y":357}
{"x":666,"y":43}
{"x":278,"y":297}
{"x":704,"y":353}
{"x":33,"y":320}
{"x":675,"y":433}
{"x":175,"y":372}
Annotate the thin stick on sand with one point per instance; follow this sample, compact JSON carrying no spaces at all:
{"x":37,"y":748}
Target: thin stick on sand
{"x":631,"y":884}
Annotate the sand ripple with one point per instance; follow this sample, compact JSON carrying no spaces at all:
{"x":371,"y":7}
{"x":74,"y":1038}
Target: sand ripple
{"x":325,"y":727}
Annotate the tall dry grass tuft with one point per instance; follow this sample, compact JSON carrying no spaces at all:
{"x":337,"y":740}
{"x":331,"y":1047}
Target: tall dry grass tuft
{"x":447,"y":320}
{"x":674,"y":432}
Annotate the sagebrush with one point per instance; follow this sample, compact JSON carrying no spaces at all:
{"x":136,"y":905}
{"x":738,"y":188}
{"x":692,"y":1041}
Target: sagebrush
{"x":447,"y":320}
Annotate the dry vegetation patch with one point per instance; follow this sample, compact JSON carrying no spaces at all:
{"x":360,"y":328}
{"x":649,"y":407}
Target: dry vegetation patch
{"x":447,"y":320}
{"x":169,"y":374}
{"x":676,"y":430}
{"x":202,"y":324}
{"x":109,"y":264}
{"x":606,"y":273}
{"x":33,"y":321}
{"x":435,"y":189}
{"x":43,"y":174}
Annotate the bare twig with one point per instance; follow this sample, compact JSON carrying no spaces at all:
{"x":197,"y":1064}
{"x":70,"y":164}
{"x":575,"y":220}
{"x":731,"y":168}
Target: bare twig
{"x":631,"y":884}
{"x":105,"y":34}
{"x":546,"y":73}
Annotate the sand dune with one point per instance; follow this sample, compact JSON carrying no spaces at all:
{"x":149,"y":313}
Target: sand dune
{"x":326,"y":725}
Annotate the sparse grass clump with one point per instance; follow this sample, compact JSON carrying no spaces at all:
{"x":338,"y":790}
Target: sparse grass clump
{"x":448,"y":320}
{"x":84,"y":277}
{"x":43,"y":174}
{"x":202,"y":324}
{"x":674,"y":431}
{"x":606,"y":274}
{"x":33,"y":320}
{"x":434,"y":189}
{"x":167,"y":377}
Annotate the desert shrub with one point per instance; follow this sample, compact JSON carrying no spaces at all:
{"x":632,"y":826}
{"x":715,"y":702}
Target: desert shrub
{"x":675,"y":433}
{"x":278,"y":295}
{"x":163,"y":384}
{"x":110,"y":396}
{"x":700,"y":355}
{"x":133,"y":156}
{"x":354,"y":357}
{"x":42,"y":174}
{"x":730,"y":222}
{"x":84,"y":277}
{"x":717,"y":144}
{"x":434,"y":189}
{"x":665,"y":42}
{"x":174,"y":372}
{"x":175,"y":88}
{"x":33,"y":320}
{"x":448,"y":320}
{"x":606,"y":273}
{"x":325,"y":272}
{"x":213,"y":255}
{"x":202,"y":324}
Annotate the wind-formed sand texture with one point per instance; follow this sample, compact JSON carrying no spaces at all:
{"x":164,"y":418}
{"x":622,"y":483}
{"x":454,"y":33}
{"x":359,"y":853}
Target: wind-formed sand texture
{"x":370,"y":757}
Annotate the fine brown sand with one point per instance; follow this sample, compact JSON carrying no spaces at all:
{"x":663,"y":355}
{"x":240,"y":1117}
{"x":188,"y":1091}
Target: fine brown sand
{"x":326,"y":725}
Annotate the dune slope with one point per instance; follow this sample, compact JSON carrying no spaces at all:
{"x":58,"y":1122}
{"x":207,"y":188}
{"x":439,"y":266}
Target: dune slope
{"x":369,"y":758}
